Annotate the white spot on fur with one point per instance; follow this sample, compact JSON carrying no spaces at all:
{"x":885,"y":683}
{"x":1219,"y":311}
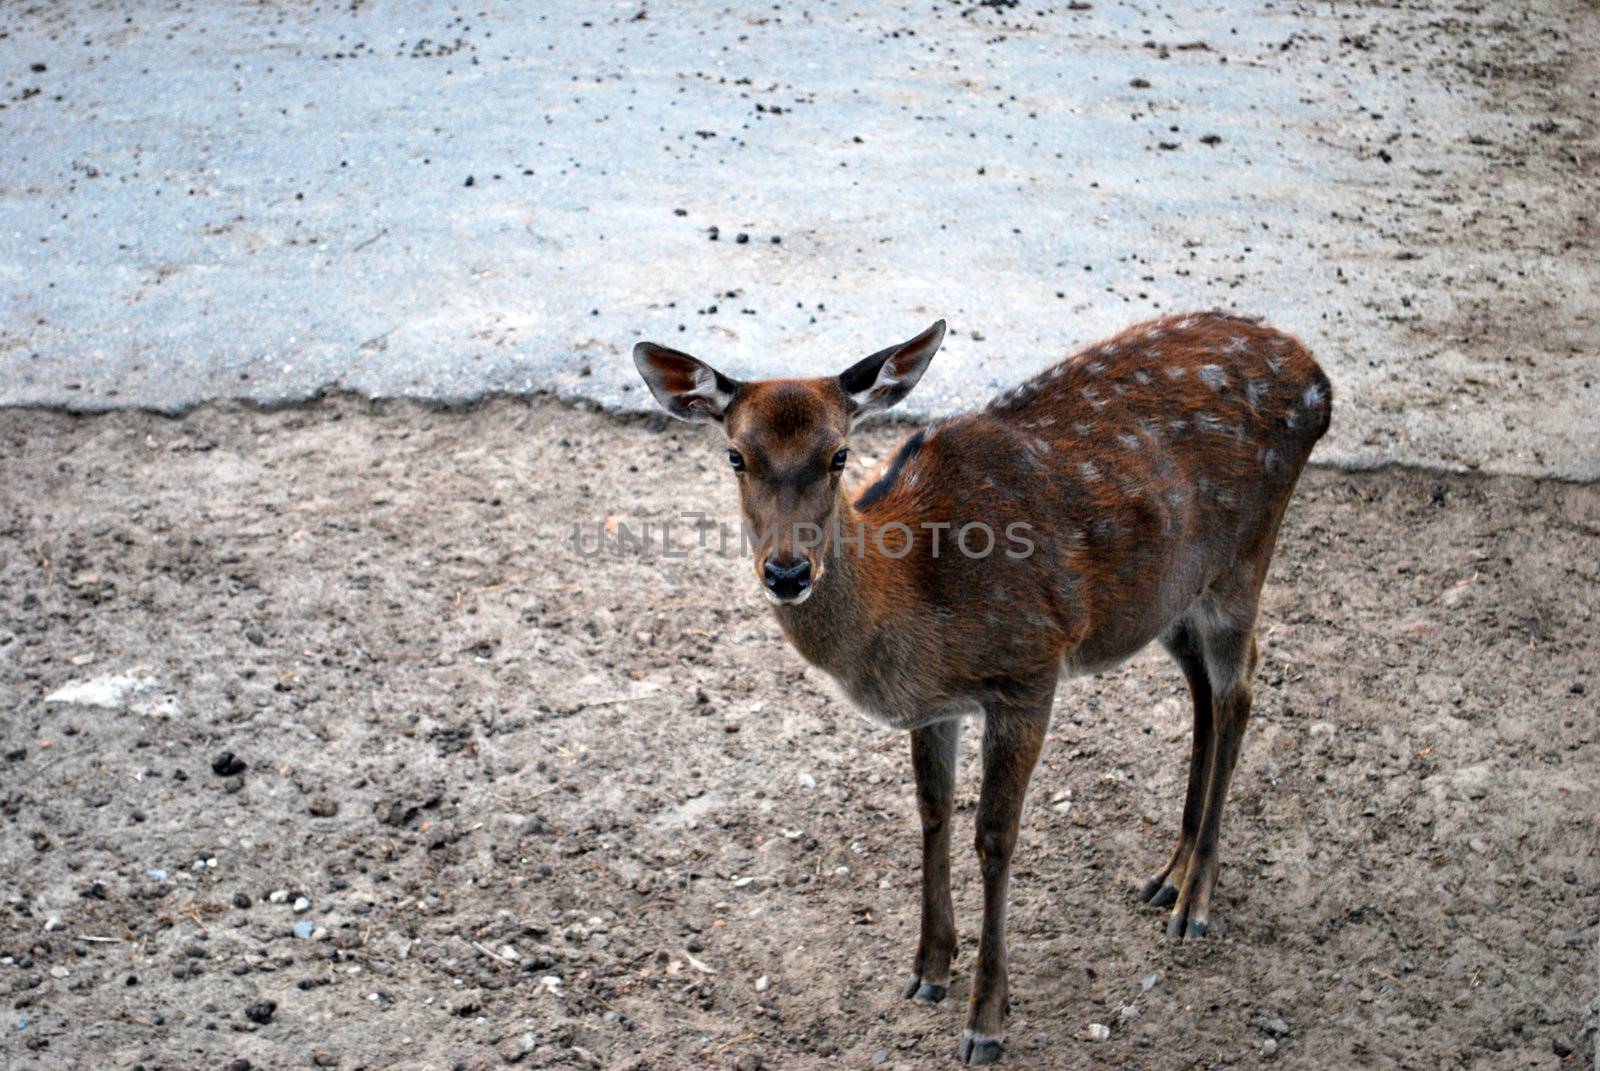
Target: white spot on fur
{"x":1177,"y":371}
{"x":1212,"y":376}
{"x":1088,"y":470}
{"x":1236,"y":344}
{"x":1142,"y":377}
{"x":1313,"y":397}
{"x":1129,"y":440}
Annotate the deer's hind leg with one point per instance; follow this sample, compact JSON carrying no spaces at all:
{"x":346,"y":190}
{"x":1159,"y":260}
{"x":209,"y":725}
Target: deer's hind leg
{"x":1161,"y":889}
{"x":1229,"y":649}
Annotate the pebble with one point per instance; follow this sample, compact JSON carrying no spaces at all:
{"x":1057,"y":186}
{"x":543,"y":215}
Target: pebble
{"x":227,"y":764}
{"x":52,"y":924}
{"x":1269,"y":1047}
{"x":261,"y":1011}
{"x":301,"y":905}
{"x":304,"y":929}
{"x":156,"y":875}
{"x":1149,"y":981}
{"x":1098,"y":1032}
{"x":512,"y":1049}
{"x":763,"y":984}
{"x":278,"y":896}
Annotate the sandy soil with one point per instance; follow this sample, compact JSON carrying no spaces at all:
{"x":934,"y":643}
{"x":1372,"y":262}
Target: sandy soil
{"x":558,"y":810}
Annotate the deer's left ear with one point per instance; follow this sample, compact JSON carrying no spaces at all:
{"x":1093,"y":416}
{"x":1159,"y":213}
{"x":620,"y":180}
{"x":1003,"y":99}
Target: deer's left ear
{"x":686,"y":386}
{"x":875,"y":383}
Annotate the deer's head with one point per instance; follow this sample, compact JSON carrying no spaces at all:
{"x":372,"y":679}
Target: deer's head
{"x":788,"y":443}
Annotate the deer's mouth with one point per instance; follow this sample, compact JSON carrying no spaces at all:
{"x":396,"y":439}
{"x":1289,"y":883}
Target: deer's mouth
{"x":788,"y":600}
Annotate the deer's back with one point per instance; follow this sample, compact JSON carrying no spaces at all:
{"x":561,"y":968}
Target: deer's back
{"x":1141,"y":468}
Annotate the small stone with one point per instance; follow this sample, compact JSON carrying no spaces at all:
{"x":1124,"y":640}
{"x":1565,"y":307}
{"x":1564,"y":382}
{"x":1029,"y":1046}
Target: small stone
{"x":304,"y":929}
{"x":763,"y":984}
{"x":52,"y":924}
{"x":1273,"y":1027}
{"x":60,"y":972}
{"x":227,"y":764}
{"x":1269,"y":1047}
{"x":261,"y":1011}
{"x":1097,"y":1032}
{"x":1149,"y":981}
{"x":241,"y":900}
{"x":1129,"y":1013}
{"x":880,"y":1057}
{"x":514,"y":1048}
{"x":323,"y":806}
{"x":320,"y":1058}
{"x":278,"y":896}
{"x":301,"y":905}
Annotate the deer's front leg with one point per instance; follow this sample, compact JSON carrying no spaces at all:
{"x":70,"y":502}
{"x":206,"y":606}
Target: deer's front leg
{"x":933,"y":757}
{"x":1011,"y":741}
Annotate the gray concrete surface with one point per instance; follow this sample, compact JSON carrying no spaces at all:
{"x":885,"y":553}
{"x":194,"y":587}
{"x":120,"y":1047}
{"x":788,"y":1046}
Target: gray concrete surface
{"x":264,"y":201}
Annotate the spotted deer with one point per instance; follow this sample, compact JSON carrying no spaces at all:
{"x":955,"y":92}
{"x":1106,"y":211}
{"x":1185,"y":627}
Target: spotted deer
{"x":1143,"y":478}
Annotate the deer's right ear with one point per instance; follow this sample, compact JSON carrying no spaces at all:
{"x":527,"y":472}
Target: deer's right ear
{"x":686,"y":386}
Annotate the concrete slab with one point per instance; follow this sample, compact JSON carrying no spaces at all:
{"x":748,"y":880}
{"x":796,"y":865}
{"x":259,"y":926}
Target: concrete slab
{"x":429,"y":199}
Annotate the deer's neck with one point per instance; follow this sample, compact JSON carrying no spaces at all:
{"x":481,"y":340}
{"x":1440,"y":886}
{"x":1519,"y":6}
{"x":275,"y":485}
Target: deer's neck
{"x":830,"y":627}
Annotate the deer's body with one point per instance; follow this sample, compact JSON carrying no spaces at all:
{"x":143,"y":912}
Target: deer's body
{"x":1130,"y":493}
{"x":1143,"y":470}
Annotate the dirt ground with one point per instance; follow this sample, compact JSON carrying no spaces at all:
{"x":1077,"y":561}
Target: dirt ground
{"x":560,"y":810}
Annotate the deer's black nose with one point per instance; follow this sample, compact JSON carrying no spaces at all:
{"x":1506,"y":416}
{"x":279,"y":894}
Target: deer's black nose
{"x":787,"y":581}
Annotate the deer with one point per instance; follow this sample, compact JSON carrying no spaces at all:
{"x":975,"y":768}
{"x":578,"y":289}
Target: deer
{"x":1142,"y":481}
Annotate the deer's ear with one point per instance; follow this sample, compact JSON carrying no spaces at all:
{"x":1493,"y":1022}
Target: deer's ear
{"x":875,"y":383}
{"x":686,"y":386}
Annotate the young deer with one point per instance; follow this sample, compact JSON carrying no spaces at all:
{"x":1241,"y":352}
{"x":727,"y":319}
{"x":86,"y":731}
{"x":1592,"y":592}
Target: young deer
{"x":1145,"y":477}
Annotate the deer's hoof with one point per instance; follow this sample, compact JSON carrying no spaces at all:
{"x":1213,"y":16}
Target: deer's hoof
{"x":979,"y":1049}
{"x":925,"y":992}
{"x":1180,"y":928}
{"x":1158,"y":892}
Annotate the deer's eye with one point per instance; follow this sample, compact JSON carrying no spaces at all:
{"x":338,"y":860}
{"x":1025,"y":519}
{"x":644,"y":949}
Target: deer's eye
{"x":839,"y":459}
{"x":736,"y":459}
